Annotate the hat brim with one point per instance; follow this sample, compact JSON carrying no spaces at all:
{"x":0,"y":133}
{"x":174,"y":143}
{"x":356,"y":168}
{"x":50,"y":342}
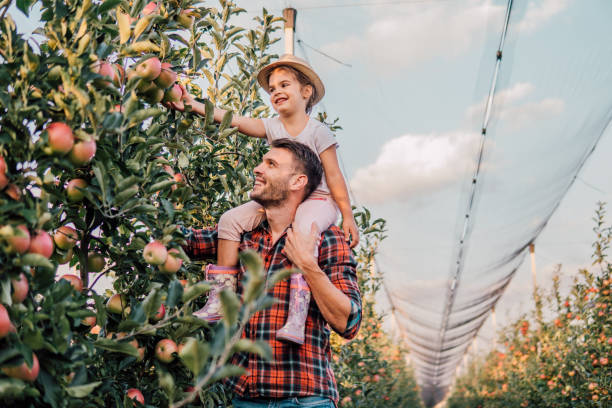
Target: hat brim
{"x":263,"y":75}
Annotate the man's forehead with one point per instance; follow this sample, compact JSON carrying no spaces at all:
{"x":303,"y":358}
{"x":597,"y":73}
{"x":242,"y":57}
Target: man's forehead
{"x":281,"y":156}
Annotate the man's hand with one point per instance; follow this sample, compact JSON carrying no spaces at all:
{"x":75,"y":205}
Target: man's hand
{"x":300,"y":248}
{"x":351,"y":232}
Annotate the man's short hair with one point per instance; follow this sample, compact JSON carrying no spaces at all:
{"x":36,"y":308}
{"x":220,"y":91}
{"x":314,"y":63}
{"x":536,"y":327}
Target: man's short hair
{"x":307,"y":162}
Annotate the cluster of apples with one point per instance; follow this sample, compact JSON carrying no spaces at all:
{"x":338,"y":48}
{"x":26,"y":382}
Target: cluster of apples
{"x":155,"y":253}
{"x":157,"y":81}
{"x":62,"y":142}
{"x":9,"y":189}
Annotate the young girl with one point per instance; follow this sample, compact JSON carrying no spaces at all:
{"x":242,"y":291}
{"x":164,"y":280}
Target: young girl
{"x":294,"y":89}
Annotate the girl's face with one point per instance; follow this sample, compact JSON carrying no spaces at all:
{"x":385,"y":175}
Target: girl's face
{"x":287,"y":95}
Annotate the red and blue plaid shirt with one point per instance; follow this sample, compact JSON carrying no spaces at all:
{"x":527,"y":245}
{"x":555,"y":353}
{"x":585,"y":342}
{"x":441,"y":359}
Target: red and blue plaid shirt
{"x":294,"y":371}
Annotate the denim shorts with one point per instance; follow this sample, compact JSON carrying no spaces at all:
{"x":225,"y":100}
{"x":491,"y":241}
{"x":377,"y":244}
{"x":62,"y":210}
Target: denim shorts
{"x":311,"y":402}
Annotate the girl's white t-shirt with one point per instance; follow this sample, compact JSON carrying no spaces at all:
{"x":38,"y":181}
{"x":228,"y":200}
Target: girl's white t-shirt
{"x":315,"y":135}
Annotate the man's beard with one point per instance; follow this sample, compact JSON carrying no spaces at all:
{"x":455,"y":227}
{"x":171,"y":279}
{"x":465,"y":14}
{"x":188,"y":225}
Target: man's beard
{"x":273,"y":194}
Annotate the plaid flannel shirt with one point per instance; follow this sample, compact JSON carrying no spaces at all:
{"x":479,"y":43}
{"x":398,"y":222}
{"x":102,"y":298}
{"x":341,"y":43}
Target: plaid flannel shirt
{"x":295,"y":371}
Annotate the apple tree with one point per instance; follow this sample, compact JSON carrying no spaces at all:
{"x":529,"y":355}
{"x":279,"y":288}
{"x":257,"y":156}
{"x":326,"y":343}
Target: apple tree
{"x":97,"y":175}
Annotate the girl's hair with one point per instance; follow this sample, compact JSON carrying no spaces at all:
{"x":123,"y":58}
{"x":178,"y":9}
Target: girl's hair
{"x":303,"y":80}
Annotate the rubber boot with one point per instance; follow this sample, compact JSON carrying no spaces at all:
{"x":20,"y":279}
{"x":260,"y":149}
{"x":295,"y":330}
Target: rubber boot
{"x":222,"y":277}
{"x":299,"y":301}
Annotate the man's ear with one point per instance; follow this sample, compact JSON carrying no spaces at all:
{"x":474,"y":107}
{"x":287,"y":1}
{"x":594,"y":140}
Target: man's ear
{"x":298,"y":182}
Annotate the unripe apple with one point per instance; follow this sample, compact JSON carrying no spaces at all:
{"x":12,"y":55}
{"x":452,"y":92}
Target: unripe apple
{"x":65,"y":237}
{"x":135,"y":394}
{"x":23,"y":372}
{"x":161,"y":312}
{"x":164,"y":350}
{"x":149,"y":8}
{"x":83,"y":152}
{"x":116,"y":304}
{"x":141,"y":353}
{"x":42,"y":244}
{"x":153,"y":95}
{"x":95,"y":262}
{"x":149,"y":69}
{"x":61,"y":138}
{"x":5,"y":322}
{"x":74,"y":280}
{"x":166,"y":77}
{"x":72,"y":190}
{"x":19,"y":240}
{"x":62,"y":259}
{"x":155,"y":253}
{"x":173,"y":94}
{"x":14,"y":192}
{"x":186,"y":19}
{"x":20,"y":288}
{"x":173,"y":263}
{"x":3,"y":181}
{"x":109,"y":72}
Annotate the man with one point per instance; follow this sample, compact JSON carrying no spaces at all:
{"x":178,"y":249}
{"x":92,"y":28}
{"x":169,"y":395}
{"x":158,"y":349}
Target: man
{"x":297,"y":375}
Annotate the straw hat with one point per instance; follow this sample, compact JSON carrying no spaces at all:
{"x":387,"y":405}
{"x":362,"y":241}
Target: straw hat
{"x":300,"y":65}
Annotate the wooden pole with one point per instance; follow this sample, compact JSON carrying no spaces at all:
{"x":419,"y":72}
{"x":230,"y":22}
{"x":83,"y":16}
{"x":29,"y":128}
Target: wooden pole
{"x":289,"y":14}
{"x":494,"y":321}
{"x":533,"y":267}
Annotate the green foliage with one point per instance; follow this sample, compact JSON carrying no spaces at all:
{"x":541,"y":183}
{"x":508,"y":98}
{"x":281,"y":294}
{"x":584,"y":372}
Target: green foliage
{"x":560,"y":361}
{"x":132,"y":196}
{"x":370,"y":369}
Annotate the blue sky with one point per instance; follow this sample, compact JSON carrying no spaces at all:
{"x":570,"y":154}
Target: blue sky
{"x":411,"y":107}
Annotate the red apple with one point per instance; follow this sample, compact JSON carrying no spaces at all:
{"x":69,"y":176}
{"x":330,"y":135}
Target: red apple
{"x":89,"y":321}
{"x":149,"y":8}
{"x":61,"y":138}
{"x":72,"y":190}
{"x":135,"y":394}
{"x":116,"y":304}
{"x":149,"y":69}
{"x":23,"y":372}
{"x":173,"y":94}
{"x":166,"y":77}
{"x":83,"y":152}
{"x":42,"y":244}
{"x":161,"y":312}
{"x":155,"y":253}
{"x":65,"y":237}
{"x":20,"y":288}
{"x":74,"y":280}
{"x":3,"y":181}
{"x":109,"y":73}
{"x":141,"y":353}
{"x":2,"y":165}
{"x":95,"y":262}
{"x":164,"y":350}
{"x":173,"y":263}
{"x":5,"y":322}
{"x":14,"y":192}
{"x":19,"y":240}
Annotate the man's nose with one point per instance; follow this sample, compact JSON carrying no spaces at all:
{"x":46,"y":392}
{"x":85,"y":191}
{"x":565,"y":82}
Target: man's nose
{"x":257,"y":169}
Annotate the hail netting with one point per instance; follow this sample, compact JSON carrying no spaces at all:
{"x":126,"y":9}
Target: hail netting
{"x":550,"y":107}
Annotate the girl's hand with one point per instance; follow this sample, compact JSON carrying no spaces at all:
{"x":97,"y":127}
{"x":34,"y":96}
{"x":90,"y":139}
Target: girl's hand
{"x":351,"y":232}
{"x":186,"y":99}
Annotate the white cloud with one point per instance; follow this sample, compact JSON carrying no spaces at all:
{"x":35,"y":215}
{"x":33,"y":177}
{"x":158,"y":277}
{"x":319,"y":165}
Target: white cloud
{"x":510,"y":105}
{"x":539,"y":12}
{"x":411,"y":165}
{"x":404,"y":37}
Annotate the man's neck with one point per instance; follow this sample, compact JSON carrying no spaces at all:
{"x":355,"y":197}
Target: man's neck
{"x":279,"y":218}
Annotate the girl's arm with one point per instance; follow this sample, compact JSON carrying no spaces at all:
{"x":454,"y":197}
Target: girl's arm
{"x":337,"y":187}
{"x":249,"y":126}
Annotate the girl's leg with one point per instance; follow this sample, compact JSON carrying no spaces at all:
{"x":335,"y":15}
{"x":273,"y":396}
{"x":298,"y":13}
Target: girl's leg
{"x":224,"y":275}
{"x":323,"y":212}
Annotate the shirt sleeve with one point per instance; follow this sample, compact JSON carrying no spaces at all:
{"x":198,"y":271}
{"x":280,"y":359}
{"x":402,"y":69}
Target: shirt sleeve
{"x":324,"y":138}
{"x":200,"y":244}
{"x":267,"y":122}
{"x":336,"y":260}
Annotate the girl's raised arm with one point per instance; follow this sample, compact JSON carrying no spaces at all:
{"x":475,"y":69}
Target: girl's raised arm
{"x":339,"y":192}
{"x":249,"y":126}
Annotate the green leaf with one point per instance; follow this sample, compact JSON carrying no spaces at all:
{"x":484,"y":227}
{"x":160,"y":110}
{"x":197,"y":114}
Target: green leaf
{"x":261,"y":348}
{"x":5,"y":293}
{"x":152,"y":303}
{"x":226,"y":121}
{"x":175,"y":292}
{"x":195,"y":291}
{"x":36,"y":260}
{"x":11,"y":388}
{"x":194,"y":355}
{"x":230,"y":305}
{"x":227,"y":371}
{"x":281,"y":276}
{"x":114,"y":346}
{"x":107,"y":5}
{"x":81,"y":391}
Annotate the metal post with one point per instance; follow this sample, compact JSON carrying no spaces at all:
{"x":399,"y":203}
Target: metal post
{"x":289,"y":14}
